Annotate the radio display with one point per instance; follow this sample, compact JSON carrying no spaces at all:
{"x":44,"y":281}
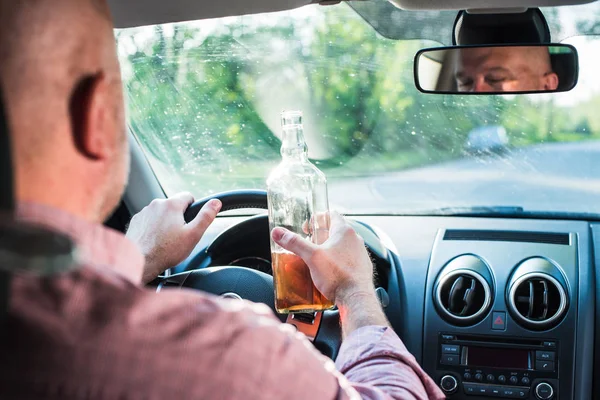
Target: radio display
{"x":497,"y":358}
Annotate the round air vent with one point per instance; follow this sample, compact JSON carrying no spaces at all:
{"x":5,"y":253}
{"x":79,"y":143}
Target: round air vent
{"x":537,"y":301}
{"x":462,"y":295}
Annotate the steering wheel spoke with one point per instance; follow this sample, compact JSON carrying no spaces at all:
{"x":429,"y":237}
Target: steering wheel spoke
{"x":307,"y":323}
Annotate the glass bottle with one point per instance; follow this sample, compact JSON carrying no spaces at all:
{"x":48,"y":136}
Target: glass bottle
{"x":297,"y":196}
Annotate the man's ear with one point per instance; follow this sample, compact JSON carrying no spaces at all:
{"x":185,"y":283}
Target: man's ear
{"x":550,"y":81}
{"x":90,"y":117}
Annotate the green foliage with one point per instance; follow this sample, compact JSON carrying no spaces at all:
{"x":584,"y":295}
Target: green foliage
{"x":203,"y":97}
{"x":583,"y":127}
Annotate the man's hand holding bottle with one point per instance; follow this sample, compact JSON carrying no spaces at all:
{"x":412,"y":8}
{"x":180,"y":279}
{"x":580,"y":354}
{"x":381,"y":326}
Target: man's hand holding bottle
{"x":342,"y":270}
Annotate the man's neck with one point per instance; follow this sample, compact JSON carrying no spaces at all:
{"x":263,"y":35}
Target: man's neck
{"x":96,"y":244}
{"x":59,"y":198}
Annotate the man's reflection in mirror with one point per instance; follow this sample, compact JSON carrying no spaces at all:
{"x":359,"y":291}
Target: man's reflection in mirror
{"x":505,"y":69}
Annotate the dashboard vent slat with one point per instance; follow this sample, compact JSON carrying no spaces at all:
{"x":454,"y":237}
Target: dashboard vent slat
{"x":530,"y":300}
{"x":507,"y":236}
{"x":538,"y":301}
{"x":463,"y":297}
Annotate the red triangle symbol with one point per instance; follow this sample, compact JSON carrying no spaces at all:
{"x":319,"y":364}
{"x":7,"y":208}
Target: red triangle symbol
{"x":498,"y":321}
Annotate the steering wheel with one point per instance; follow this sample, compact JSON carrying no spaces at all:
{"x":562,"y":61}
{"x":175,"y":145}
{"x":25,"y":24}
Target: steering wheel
{"x":322,"y":328}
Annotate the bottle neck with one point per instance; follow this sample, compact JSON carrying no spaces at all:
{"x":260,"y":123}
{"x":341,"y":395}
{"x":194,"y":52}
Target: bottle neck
{"x":293,"y":145}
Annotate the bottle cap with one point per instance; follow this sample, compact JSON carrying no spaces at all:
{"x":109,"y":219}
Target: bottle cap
{"x":291,"y":118}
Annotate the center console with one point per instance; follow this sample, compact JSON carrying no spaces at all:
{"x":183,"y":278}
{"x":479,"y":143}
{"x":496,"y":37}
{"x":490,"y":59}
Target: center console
{"x":501,"y":314}
{"x":498,"y":366}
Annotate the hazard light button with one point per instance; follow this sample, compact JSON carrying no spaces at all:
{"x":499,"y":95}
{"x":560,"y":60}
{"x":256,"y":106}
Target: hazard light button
{"x":498,"y":320}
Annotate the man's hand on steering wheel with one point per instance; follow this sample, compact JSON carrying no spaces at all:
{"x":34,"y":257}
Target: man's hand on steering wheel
{"x":162,"y":234}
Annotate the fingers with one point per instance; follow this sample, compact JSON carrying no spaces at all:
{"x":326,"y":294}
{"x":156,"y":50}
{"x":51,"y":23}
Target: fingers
{"x":182,"y":200}
{"x":205,"y":217}
{"x":306,"y":227}
{"x":337,"y":222}
{"x":294,"y":243}
{"x":321,"y":222}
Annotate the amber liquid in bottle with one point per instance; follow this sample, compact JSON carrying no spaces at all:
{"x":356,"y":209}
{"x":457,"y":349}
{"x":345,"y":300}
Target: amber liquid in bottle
{"x":294,"y":287}
{"x":297,"y":193}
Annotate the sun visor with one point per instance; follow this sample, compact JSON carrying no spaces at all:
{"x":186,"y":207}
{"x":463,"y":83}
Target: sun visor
{"x":472,"y":28}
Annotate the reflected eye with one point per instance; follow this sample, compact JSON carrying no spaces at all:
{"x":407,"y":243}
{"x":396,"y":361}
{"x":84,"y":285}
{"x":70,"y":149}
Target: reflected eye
{"x":495,"y":79}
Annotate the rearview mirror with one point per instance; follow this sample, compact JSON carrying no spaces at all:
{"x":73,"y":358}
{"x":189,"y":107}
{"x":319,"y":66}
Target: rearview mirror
{"x":497,"y":69}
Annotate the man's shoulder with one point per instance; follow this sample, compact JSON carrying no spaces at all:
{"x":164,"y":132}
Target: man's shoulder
{"x":103,"y":300}
{"x":97,"y":327}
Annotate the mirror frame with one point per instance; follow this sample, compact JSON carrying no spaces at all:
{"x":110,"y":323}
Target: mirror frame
{"x":420,"y":52}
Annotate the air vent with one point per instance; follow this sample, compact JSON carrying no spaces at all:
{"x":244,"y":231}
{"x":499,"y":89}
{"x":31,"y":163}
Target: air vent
{"x":463,"y":297}
{"x":537,"y":301}
{"x":508,"y":236}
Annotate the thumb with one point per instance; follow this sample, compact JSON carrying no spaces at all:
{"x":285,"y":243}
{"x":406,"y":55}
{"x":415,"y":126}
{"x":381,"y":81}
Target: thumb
{"x":205,"y":217}
{"x":293,"y":242}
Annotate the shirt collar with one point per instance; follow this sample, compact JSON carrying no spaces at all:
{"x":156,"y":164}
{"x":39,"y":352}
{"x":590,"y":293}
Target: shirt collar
{"x":97,"y":245}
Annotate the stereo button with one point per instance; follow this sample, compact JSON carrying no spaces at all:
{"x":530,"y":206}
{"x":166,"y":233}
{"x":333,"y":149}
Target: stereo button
{"x":544,"y":365}
{"x":478,"y":377}
{"x":483,"y":390}
{"x":470,"y":388}
{"x":449,"y":359}
{"x":525,"y":381}
{"x":514,"y":380}
{"x":467,"y":376}
{"x":450,"y":349}
{"x":502,"y":379}
{"x":515,"y":393}
{"x":495,"y":391}
{"x":545,"y":355}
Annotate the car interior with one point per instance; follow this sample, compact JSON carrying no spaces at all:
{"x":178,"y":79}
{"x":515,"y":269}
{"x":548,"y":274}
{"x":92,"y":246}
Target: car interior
{"x":485,"y":264}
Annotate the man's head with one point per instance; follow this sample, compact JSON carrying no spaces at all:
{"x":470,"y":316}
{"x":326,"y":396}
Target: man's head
{"x":62,"y":86}
{"x":505,"y":69}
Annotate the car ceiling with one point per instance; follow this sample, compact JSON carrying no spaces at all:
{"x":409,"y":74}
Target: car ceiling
{"x":132,"y":13}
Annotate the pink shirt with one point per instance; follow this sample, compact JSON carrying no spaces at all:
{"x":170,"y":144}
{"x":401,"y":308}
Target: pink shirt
{"x":95,"y":333}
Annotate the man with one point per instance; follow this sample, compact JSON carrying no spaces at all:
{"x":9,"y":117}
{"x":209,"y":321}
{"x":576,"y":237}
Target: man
{"x":505,"y":69}
{"x":94,"y":332}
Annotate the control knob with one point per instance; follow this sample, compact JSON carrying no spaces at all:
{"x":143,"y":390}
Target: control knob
{"x":449,"y":384}
{"x":544,"y":391}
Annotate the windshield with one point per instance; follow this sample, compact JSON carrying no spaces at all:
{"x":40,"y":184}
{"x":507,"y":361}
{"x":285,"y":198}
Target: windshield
{"x":204,"y":101}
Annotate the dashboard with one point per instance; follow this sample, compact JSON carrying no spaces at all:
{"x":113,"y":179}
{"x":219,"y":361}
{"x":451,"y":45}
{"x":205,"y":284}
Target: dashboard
{"x":501,"y":308}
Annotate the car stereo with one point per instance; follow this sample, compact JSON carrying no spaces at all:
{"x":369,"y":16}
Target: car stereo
{"x":486,"y":366}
